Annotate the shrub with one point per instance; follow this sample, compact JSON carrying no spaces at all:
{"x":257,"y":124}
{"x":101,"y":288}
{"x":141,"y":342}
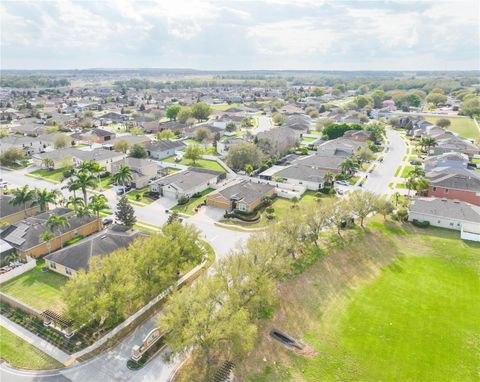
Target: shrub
{"x":421,"y":224}
{"x":183,"y":200}
{"x":401,"y":214}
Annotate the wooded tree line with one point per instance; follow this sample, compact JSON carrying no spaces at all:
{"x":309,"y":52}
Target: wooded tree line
{"x":118,"y":284}
{"x":218,"y":315}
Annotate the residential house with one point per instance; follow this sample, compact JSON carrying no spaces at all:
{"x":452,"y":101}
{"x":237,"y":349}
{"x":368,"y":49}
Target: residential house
{"x":75,"y":156}
{"x":223,"y":145}
{"x":130,"y":139}
{"x":69,"y":260}
{"x":242,"y":195}
{"x":100,"y":136}
{"x":450,"y":159}
{"x":10,"y":213}
{"x":164,"y":148}
{"x":358,"y":135}
{"x":112,"y":117}
{"x":450,"y":214}
{"x":455,"y":183}
{"x":340,"y":147}
{"x":308,"y":171}
{"x":186,"y":183}
{"x":455,"y":144}
{"x":143,"y":170}
{"x":25,"y":235}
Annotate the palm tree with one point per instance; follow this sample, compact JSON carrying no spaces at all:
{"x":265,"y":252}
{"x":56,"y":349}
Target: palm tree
{"x":396,"y":195}
{"x":349,"y":166}
{"x":74,"y":201}
{"x":43,"y":197}
{"x":328,"y":178}
{"x":22,"y":196}
{"x":123,"y":175}
{"x":48,"y":163}
{"x":72,"y":186}
{"x":85,"y":180}
{"x":97,"y":204}
{"x":47,"y":237}
{"x":55,"y":222}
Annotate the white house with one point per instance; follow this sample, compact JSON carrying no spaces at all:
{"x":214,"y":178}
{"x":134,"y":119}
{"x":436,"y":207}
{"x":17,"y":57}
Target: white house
{"x":448,"y":213}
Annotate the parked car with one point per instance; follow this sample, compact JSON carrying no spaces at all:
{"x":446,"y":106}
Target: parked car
{"x":343,"y":182}
{"x":107,"y":221}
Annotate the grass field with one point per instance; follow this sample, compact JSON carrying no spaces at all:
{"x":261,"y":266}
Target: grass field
{"x":132,"y":195}
{"x":204,"y":163}
{"x":282,"y":207}
{"x":397,"y":303}
{"x":40,"y":290}
{"x":406,"y":170}
{"x":21,"y":354}
{"x":53,"y":175}
{"x":226,"y":106}
{"x":189,"y":208}
{"x":465,"y":127}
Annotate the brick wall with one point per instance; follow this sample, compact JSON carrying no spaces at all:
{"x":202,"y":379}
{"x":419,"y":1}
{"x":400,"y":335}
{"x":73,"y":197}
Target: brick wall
{"x":463,"y":195}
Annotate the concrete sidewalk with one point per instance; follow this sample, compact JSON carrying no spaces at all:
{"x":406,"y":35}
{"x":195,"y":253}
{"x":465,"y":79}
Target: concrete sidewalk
{"x":34,"y":340}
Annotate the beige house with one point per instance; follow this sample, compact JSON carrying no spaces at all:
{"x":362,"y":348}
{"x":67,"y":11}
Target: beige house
{"x":244,"y":196}
{"x":143,"y":170}
{"x":11,"y":214}
{"x":26,"y":235}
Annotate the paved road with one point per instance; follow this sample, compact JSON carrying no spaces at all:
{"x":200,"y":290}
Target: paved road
{"x":108,"y":367}
{"x":384,"y":172}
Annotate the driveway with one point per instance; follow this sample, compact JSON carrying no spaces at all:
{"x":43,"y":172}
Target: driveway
{"x":384,"y":172}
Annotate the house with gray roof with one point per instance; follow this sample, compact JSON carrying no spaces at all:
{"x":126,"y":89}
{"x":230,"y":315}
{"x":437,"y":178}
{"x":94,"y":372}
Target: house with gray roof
{"x":278,"y":141}
{"x":450,"y":214}
{"x":102,"y":156}
{"x":143,"y":170}
{"x":454,"y":183}
{"x":186,"y":183}
{"x":26,"y":235}
{"x":164,"y":148}
{"x":69,"y":260}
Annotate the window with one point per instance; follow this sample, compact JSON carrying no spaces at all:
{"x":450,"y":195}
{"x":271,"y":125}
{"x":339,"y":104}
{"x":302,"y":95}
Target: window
{"x":434,"y":189}
{"x":451,"y":224}
{"x":68,"y":271}
{"x":446,"y":190}
{"x":438,"y":221}
{"x":53,"y":265}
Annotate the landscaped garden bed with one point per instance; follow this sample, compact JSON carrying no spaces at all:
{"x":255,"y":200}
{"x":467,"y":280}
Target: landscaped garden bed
{"x":193,"y":203}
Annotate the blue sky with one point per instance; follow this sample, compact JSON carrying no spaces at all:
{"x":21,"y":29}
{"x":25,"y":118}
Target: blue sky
{"x":215,"y":35}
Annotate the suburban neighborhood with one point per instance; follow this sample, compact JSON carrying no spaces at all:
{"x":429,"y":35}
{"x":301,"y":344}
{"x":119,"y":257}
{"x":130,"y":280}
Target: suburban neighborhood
{"x":237,"y":225}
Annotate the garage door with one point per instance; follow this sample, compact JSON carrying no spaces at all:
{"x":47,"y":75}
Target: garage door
{"x":169,"y":193}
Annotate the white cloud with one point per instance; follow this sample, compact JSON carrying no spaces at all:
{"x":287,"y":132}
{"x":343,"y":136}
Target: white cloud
{"x":292,"y":37}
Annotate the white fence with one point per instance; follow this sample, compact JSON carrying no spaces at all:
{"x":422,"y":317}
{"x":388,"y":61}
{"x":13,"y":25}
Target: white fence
{"x":17,"y":271}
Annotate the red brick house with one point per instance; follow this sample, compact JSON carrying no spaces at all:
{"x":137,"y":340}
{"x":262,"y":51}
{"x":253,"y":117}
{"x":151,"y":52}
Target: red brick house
{"x":455,"y":183}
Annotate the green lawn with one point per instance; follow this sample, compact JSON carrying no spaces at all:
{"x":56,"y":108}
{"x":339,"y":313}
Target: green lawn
{"x":105,"y":183}
{"x":308,"y":139}
{"x":464,"y":127}
{"x":282,"y":208}
{"x":397,"y":171}
{"x":189,"y":208}
{"x":395,"y":304}
{"x":204,"y":163}
{"x":21,"y":354}
{"x":353,"y":180}
{"x":53,"y":175}
{"x":225,"y":107}
{"x":132,"y":195}
{"x":40,"y":290}
{"x":406,"y":171}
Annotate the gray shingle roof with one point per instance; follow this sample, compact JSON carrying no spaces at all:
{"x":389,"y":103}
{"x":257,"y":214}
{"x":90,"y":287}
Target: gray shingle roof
{"x":164,"y":144}
{"x":25,"y":234}
{"x":188,"y":179}
{"x":245,"y":191}
{"x":446,"y":208}
{"x":79,"y":254}
{"x":456,"y":178}
{"x":6,"y":208}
